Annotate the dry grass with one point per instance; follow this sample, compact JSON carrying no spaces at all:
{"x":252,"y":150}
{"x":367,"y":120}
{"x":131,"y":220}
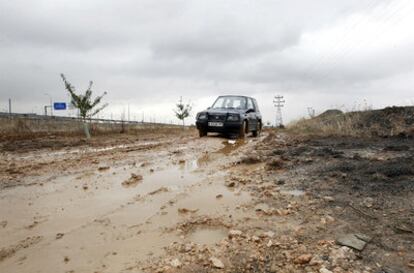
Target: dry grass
{"x":392,"y":121}
{"x":21,"y":128}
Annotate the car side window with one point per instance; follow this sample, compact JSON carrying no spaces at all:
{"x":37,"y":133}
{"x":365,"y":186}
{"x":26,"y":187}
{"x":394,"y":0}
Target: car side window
{"x":256,"y":106}
{"x":250,"y":104}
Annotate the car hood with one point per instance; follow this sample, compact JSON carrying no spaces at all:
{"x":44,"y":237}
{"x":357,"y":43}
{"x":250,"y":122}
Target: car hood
{"x":225,"y":111}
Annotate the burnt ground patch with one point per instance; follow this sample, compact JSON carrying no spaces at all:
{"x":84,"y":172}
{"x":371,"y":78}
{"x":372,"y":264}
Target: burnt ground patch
{"x":367,"y":184}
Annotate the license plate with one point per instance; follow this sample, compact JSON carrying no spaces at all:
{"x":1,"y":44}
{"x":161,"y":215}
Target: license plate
{"x":215,"y":124}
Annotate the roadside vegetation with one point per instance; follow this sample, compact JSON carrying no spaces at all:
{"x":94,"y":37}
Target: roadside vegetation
{"x":182,"y":110}
{"x":391,"y":121}
{"x":87,"y":106}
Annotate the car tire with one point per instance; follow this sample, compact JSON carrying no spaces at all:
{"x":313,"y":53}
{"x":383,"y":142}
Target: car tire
{"x":256,"y":132}
{"x":243,"y":129}
{"x":202,"y":133}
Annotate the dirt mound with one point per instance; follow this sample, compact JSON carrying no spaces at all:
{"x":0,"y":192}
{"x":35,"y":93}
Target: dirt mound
{"x":391,"y":121}
{"x":330,"y":113}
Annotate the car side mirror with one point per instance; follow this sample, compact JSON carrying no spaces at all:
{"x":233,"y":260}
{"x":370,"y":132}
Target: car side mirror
{"x":250,"y":110}
{"x":208,"y":108}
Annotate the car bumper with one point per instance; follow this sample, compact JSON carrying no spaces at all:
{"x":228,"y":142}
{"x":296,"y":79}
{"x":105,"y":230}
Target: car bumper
{"x":228,"y":126}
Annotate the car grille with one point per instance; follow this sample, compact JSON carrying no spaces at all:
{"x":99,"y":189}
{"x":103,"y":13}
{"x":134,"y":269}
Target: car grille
{"x":216,"y":117}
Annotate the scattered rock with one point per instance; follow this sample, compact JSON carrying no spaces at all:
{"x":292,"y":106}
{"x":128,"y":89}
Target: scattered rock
{"x":324,"y":270}
{"x":59,"y":236}
{"x":262,"y":207}
{"x":355,"y":241}
{"x":219,"y":196}
{"x":303,"y":259}
{"x":280,"y":182}
{"x":103,"y":168}
{"x":216,"y":263}
{"x":328,"y":198}
{"x":368,"y":202}
{"x":404,"y":228}
{"x":175,"y":263}
{"x":230,"y":184}
{"x":269,"y":244}
{"x":234,"y":233}
{"x":387,"y":269}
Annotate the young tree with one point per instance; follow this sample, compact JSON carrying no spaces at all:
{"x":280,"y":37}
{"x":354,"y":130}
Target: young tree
{"x":182,"y":110}
{"x":87,"y":106}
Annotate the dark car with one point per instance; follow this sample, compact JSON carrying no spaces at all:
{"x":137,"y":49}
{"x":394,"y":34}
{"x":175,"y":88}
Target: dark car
{"x":231,"y":115}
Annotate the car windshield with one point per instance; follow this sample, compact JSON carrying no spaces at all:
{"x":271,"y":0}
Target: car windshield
{"x":230,"y":103}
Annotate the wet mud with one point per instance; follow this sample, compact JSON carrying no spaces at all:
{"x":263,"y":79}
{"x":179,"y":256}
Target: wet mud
{"x":277,"y":203}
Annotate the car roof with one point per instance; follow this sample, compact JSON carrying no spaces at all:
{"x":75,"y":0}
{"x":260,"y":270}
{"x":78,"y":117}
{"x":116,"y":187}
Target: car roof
{"x":236,"y":96}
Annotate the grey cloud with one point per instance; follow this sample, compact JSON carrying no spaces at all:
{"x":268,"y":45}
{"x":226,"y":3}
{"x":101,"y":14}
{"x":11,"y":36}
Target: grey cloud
{"x":146,"y":51}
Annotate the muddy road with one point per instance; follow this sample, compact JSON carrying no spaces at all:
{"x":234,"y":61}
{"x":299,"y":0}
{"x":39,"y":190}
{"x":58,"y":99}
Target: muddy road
{"x":110,"y":207}
{"x":178,"y":203}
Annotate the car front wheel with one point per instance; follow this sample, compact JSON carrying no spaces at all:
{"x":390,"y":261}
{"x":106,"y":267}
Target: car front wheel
{"x":256,"y":132}
{"x":243,"y":130}
{"x":202,"y":133}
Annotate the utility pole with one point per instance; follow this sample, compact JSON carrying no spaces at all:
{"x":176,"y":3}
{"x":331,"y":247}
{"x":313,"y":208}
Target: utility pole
{"x":51,"y":103}
{"x":10,"y":108}
{"x":278,"y":102}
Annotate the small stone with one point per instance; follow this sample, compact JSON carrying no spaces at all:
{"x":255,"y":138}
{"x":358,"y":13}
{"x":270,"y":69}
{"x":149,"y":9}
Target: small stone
{"x":216,"y":262}
{"x":324,"y":270}
{"x":234,"y":233}
{"x":262,"y":207}
{"x":219,"y":196}
{"x":316,"y":260}
{"x":328,"y":198}
{"x":303,"y":259}
{"x":175,"y":263}
{"x":269,"y":244}
{"x":59,"y":236}
{"x":230,"y":184}
{"x":368,"y":202}
{"x":355,"y":241}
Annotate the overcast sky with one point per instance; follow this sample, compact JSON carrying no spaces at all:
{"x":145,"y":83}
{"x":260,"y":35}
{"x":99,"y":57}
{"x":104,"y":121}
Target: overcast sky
{"x":146,"y":54}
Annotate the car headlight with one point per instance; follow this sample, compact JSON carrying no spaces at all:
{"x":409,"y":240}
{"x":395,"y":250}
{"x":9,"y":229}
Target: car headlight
{"x":233,"y":117}
{"x":202,"y":116}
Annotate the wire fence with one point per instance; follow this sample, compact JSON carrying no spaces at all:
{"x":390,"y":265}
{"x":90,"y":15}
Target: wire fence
{"x":77,"y":119}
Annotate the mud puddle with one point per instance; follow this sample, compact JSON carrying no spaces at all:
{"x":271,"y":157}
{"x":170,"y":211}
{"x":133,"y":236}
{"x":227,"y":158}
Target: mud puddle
{"x":207,"y":236}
